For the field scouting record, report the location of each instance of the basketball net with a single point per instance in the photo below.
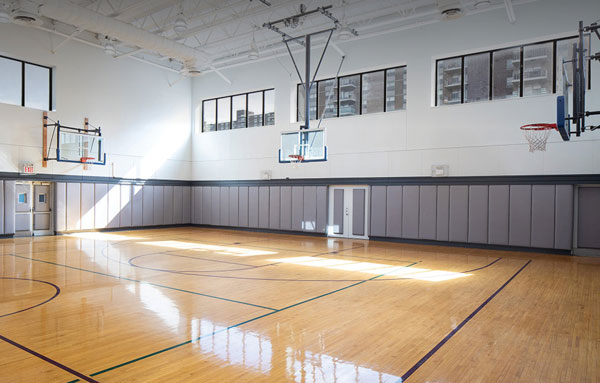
(537, 135)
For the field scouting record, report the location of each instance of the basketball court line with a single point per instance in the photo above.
(49, 360)
(431, 352)
(139, 281)
(232, 326)
(56, 293)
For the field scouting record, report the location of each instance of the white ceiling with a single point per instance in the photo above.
(224, 29)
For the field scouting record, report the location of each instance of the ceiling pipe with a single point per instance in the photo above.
(84, 18)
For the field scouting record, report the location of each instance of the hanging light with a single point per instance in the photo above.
(254, 54)
(345, 33)
(180, 25)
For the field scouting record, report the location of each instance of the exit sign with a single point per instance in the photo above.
(28, 169)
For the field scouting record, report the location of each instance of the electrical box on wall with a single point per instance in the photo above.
(266, 174)
(440, 170)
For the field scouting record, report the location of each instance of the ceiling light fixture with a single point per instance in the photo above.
(180, 24)
(254, 53)
(345, 33)
(482, 4)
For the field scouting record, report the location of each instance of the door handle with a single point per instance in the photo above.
(347, 211)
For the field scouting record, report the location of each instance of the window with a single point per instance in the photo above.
(22, 198)
(371, 92)
(239, 111)
(224, 113)
(37, 80)
(42, 198)
(327, 98)
(395, 89)
(349, 95)
(526, 70)
(476, 86)
(209, 115)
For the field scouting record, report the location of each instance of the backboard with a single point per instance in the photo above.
(78, 147)
(310, 144)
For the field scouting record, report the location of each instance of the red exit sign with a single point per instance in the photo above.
(28, 169)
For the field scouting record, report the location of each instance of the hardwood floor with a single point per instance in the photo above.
(207, 305)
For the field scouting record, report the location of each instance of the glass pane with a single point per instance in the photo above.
(327, 98)
(289, 145)
(313, 103)
(349, 95)
(314, 145)
(239, 111)
(564, 51)
(224, 113)
(537, 69)
(10, 81)
(255, 109)
(506, 73)
(449, 80)
(37, 87)
(269, 107)
(477, 77)
(209, 110)
(395, 89)
(372, 92)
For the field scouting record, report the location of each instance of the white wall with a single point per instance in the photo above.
(473, 139)
(146, 123)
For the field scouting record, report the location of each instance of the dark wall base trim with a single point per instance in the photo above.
(113, 229)
(483, 246)
(2, 236)
(257, 230)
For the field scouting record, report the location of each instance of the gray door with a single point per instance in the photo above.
(42, 212)
(588, 218)
(23, 208)
(348, 211)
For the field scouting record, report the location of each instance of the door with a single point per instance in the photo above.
(587, 221)
(23, 209)
(42, 209)
(348, 212)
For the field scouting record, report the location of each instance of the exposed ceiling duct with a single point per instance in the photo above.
(84, 18)
(24, 12)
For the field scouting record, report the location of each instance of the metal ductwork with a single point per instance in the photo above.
(80, 17)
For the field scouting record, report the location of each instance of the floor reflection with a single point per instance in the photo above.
(226, 250)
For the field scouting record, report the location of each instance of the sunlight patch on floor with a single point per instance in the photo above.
(98, 236)
(223, 250)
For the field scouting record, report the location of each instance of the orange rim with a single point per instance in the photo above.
(539, 126)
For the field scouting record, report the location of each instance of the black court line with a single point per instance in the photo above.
(427, 356)
(483, 267)
(56, 292)
(51, 361)
(230, 327)
(139, 281)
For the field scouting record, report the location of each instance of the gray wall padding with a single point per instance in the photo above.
(73, 206)
(310, 208)
(177, 205)
(378, 211)
(520, 216)
(253, 206)
(542, 215)
(159, 205)
(197, 203)
(563, 220)
(478, 213)
(215, 215)
(147, 205)
(263, 207)
(206, 205)
(427, 212)
(243, 206)
(498, 213)
(459, 213)
(297, 208)
(9, 207)
(126, 205)
(338, 211)
(114, 205)
(588, 219)
(234, 200)
(274, 207)
(60, 209)
(168, 192)
(442, 226)
(393, 213)
(187, 204)
(224, 201)
(322, 211)
(285, 222)
(136, 208)
(100, 209)
(410, 212)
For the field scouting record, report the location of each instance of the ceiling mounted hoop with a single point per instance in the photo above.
(537, 135)
(296, 160)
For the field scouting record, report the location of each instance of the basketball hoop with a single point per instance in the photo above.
(537, 135)
(296, 159)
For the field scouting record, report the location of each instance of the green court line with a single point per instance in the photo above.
(232, 326)
(149, 283)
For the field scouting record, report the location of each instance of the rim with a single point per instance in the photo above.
(538, 126)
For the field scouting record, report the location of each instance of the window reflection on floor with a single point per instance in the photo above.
(227, 250)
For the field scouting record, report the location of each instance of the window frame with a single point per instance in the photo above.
(230, 97)
(359, 110)
(50, 81)
(521, 56)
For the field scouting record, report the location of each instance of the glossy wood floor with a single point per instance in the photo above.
(201, 305)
